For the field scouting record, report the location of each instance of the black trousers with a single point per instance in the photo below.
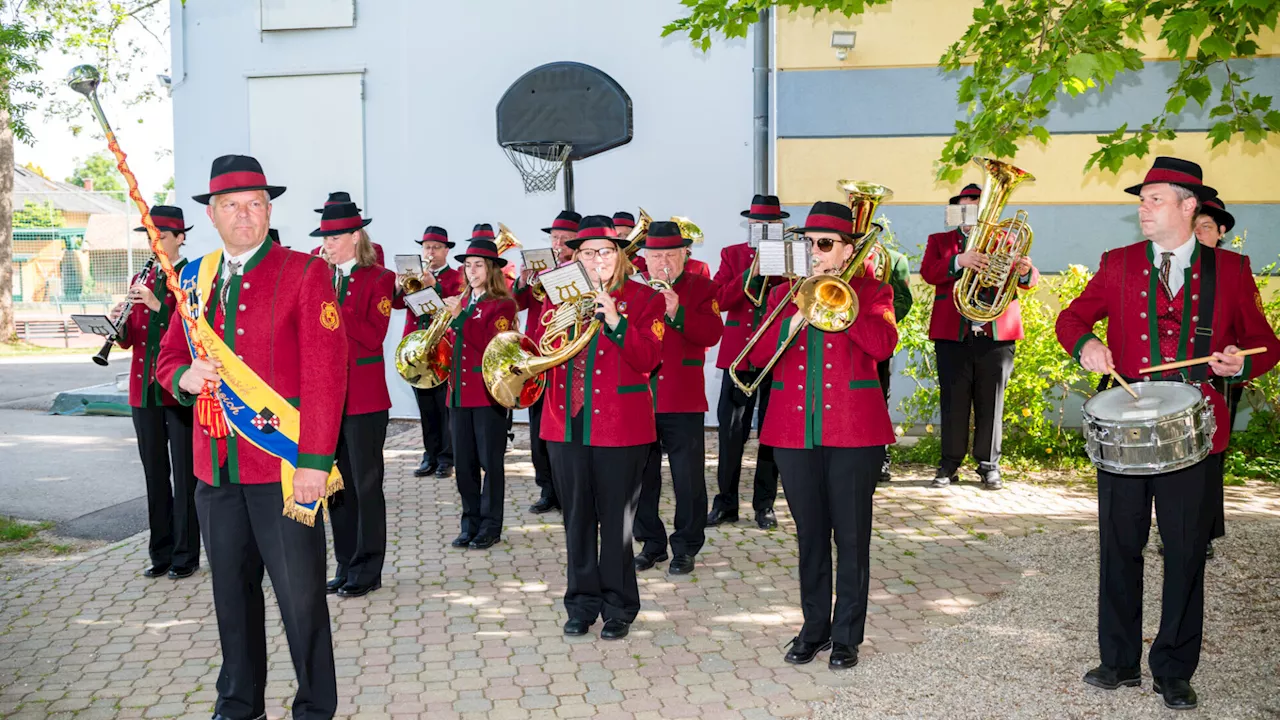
(972, 376)
(538, 451)
(681, 436)
(885, 372)
(245, 532)
(479, 443)
(733, 413)
(164, 445)
(1124, 522)
(359, 512)
(599, 488)
(1219, 500)
(437, 434)
(829, 492)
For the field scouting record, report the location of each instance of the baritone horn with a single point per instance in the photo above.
(826, 302)
(984, 295)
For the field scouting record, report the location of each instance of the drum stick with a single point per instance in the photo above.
(1123, 384)
(1196, 361)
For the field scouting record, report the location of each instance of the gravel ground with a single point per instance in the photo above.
(1023, 655)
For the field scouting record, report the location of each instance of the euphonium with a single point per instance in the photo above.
(514, 368)
(637, 234)
(425, 357)
(688, 228)
(983, 296)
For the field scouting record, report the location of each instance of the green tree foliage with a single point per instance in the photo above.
(160, 195)
(36, 215)
(101, 169)
(1020, 57)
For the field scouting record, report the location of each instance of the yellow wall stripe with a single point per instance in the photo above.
(809, 168)
(910, 33)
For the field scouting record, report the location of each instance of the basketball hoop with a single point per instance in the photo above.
(538, 162)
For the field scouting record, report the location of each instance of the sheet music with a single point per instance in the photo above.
(566, 283)
(408, 264)
(424, 302)
(758, 232)
(784, 258)
(538, 260)
(94, 324)
(962, 215)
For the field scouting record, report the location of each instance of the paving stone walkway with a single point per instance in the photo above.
(477, 634)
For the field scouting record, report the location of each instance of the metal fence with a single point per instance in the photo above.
(73, 251)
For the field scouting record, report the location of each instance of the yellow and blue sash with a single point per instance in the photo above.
(254, 410)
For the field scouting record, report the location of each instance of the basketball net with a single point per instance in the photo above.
(538, 162)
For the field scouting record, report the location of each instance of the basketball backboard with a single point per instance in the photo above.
(566, 102)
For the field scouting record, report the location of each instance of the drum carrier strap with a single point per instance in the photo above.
(1204, 326)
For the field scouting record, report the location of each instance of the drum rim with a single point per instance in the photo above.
(1200, 402)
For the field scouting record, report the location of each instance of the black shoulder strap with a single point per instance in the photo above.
(1204, 326)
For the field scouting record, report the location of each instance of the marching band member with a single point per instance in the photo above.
(598, 422)
(693, 325)
(338, 198)
(829, 454)
(900, 281)
(484, 309)
(1152, 292)
(1212, 224)
(624, 222)
(735, 408)
(276, 310)
(364, 289)
(433, 405)
(974, 359)
(163, 427)
(563, 229)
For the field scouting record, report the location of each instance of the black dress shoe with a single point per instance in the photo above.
(991, 480)
(648, 558)
(544, 504)
(155, 571)
(425, 468)
(462, 540)
(444, 471)
(766, 519)
(720, 515)
(335, 584)
(885, 475)
(842, 657)
(1208, 551)
(942, 479)
(680, 565)
(483, 542)
(615, 629)
(803, 653)
(219, 716)
(1109, 678)
(1178, 693)
(575, 627)
(180, 573)
(350, 590)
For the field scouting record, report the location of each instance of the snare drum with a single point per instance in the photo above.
(1167, 428)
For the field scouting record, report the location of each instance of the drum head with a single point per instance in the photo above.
(1155, 399)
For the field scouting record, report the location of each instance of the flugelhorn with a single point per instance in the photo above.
(659, 284)
(984, 295)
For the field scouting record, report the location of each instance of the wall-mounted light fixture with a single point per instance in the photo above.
(842, 41)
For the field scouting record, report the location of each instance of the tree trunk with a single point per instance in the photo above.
(8, 331)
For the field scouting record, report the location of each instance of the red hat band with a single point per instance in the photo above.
(829, 222)
(1164, 175)
(564, 224)
(166, 223)
(239, 179)
(482, 235)
(435, 237)
(765, 209)
(346, 223)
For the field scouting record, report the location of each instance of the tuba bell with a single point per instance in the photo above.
(637, 234)
(984, 295)
(506, 240)
(688, 229)
(863, 199)
(425, 357)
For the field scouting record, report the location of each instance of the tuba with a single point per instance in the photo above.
(688, 228)
(514, 368)
(826, 302)
(637, 234)
(984, 295)
(424, 357)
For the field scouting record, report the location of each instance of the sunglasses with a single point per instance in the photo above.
(824, 244)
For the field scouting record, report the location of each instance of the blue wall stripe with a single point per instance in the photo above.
(897, 102)
(1074, 234)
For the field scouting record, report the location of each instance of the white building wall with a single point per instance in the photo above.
(433, 72)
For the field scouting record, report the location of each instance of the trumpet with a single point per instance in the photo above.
(983, 296)
(827, 302)
(413, 283)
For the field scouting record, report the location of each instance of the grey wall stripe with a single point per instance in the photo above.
(1074, 234)
(896, 102)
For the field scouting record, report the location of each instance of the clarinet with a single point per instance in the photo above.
(101, 357)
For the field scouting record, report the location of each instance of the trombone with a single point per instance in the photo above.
(827, 302)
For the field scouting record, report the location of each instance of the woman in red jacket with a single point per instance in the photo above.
(484, 309)
(597, 418)
(829, 424)
(364, 290)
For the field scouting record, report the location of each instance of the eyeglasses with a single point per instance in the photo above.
(824, 244)
(603, 254)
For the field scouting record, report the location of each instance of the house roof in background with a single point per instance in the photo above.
(114, 232)
(66, 197)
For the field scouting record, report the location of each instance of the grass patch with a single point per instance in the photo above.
(23, 347)
(11, 529)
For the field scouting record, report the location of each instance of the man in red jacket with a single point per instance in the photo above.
(276, 309)
(974, 359)
(735, 408)
(163, 427)
(1166, 298)
(433, 406)
(693, 325)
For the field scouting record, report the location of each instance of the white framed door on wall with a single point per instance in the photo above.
(308, 132)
